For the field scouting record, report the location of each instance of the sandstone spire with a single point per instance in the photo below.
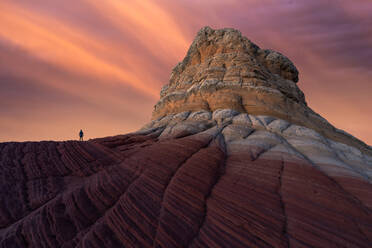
(225, 70)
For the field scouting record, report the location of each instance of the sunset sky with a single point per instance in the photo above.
(99, 65)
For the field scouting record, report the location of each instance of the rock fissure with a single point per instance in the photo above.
(220, 173)
(282, 203)
(170, 183)
(24, 174)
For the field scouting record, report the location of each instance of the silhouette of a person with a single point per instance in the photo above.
(81, 135)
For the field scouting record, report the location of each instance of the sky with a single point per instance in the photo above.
(99, 65)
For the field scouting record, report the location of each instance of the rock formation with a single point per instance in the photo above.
(233, 157)
(224, 70)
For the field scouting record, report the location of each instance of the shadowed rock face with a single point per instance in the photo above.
(194, 178)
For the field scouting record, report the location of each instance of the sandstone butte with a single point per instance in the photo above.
(233, 157)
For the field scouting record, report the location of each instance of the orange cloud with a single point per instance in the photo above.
(62, 45)
(150, 24)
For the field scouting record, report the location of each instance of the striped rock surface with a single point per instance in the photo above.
(233, 157)
(200, 179)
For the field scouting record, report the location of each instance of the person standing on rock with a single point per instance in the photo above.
(81, 135)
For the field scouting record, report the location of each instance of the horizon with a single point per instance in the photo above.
(66, 67)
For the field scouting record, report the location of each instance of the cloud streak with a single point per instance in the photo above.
(64, 46)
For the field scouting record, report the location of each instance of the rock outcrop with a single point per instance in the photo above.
(232, 158)
(224, 70)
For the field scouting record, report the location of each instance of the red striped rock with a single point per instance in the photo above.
(200, 190)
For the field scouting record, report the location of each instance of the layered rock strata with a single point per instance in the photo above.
(194, 176)
(191, 180)
(223, 69)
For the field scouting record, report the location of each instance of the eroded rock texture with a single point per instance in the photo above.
(205, 172)
(225, 180)
(224, 70)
